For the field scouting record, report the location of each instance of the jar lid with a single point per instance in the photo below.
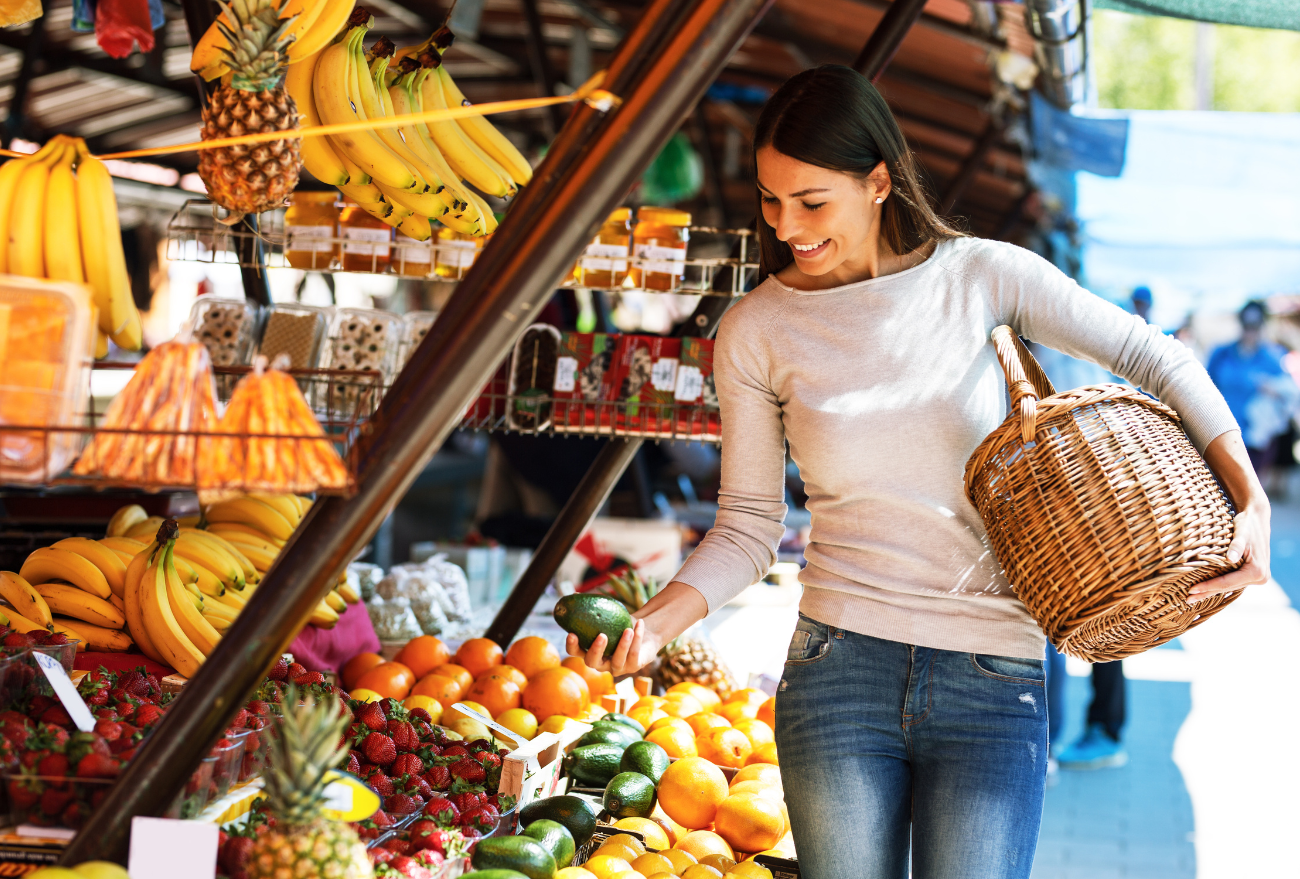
(620, 215)
(327, 198)
(666, 216)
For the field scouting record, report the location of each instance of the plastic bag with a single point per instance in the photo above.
(393, 619)
(364, 577)
(120, 24)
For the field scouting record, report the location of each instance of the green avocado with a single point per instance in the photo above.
(615, 717)
(646, 758)
(494, 874)
(555, 837)
(630, 795)
(610, 733)
(574, 813)
(522, 854)
(587, 616)
(594, 765)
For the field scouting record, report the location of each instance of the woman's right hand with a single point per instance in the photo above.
(673, 610)
(636, 649)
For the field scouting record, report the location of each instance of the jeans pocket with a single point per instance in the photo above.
(1013, 669)
(811, 642)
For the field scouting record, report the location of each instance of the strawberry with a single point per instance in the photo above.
(442, 810)
(56, 715)
(233, 856)
(306, 679)
(406, 764)
(53, 765)
(482, 818)
(464, 801)
(404, 735)
(467, 770)
(439, 777)
(401, 804)
(423, 787)
(488, 759)
(420, 833)
(258, 707)
(455, 749)
(380, 750)
(295, 669)
(382, 784)
(75, 815)
(147, 715)
(109, 729)
(353, 765)
(381, 819)
(18, 641)
(279, 671)
(97, 766)
(429, 857)
(479, 745)
(420, 714)
(53, 802)
(371, 715)
(23, 792)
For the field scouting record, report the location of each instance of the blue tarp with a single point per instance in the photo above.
(1078, 143)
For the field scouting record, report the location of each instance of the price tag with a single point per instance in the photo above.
(348, 798)
(663, 375)
(66, 691)
(566, 374)
(162, 848)
(690, 384)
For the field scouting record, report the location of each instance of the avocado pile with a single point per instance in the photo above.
(612, 755)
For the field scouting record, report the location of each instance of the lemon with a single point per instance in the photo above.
(520, 720)
(452, 713)
(574, 873)
(429, 704)
(654, 835)
(606, 866)
(361, 694)
(625, 839)
(558, 723)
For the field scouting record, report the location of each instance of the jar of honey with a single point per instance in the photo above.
(311, 225)
(412, 258)
(456, 252)
(659, 245)
(365, 245)
(603, 265)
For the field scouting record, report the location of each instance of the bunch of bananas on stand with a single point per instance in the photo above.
(58, 220)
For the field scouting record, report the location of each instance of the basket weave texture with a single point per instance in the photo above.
(1100, 510)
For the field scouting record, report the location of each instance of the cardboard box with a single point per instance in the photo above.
(584, 390)
(695, 393)
(647, 380)
(532, 771)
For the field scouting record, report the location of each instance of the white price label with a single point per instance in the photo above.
(162, 848)
(366, 242)
(460, 254)
(338, 796)
(66, 691)
(605, 258)
(690, 384)
(308, 239)
(566, 374)
(669, 260)
(663, 375)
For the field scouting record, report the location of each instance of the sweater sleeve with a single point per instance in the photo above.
(1045, 305)
(741, 546)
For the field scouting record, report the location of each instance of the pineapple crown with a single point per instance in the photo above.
(257, 41)
(306, 745)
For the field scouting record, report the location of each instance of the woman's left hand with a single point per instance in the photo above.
(1250, 545)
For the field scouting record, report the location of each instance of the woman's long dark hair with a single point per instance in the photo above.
(833, 117)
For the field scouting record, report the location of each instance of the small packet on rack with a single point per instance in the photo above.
(694, 392)
(647, 381)
(532, 375)
(585, 387)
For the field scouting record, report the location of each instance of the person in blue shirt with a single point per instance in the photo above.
(1259, 391)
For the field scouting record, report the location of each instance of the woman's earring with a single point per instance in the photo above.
(879, 200)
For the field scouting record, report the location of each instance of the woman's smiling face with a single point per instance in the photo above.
(829, 218)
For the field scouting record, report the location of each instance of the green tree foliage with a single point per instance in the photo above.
(1148, 63)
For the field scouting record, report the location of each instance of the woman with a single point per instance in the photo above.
(910, 715)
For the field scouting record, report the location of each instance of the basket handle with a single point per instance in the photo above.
(1025, 378)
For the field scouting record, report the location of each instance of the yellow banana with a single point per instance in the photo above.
(185, 570)
(47, 564)
(370, 197)
(101, 340)
(481, 130)
(377, 104)
(134, 605)
(357, 177)
(317, 154)
(304, 503)
(251, 511)
(73, 602)
(233, 599)
(123, 544)
(62, 239)
(23, 598)
(131, 336)
(333, 16)
(284, 504)
(219, 610)
(73, 634)
(241, 540)
(201, 553)
(188, 521)
(417, 227)
(190, 617)
(146, 530)
(119, 603)
(20, 623)
(27, 215)
(262, 559)
(108, 562)
(466, 160)
(249, 534)
(364, 148)
(336, 602)
(324, 616)
(168, 637)
(101, 247)
(221, 624)
(405, 98)
(218, 542)
(97, 638)
(489, 218)
(9, 176)
(349, 594)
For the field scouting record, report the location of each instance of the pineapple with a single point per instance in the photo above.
(306, 745)
(251, 98)
(693, 658)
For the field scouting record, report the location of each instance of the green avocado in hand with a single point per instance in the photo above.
(589, 615)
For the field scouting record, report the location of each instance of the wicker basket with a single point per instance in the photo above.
(1100, 510)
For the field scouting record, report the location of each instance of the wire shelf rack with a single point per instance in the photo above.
(195, 234)
(159, 460)
(549, 415)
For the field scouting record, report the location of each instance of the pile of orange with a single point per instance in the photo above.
(692, 721)
(520, 688)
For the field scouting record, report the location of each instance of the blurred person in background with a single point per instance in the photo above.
(1259, 391)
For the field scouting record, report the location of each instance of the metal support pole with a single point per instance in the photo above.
(586, 500)
(543, 74)
(972, 164)
(660, 71)
(887, 37)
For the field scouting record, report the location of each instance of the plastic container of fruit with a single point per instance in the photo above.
(53, 801)
(415, 326)
(16, 675)
(256, 745)
(34, 681)
(225, 770)
(195, 797)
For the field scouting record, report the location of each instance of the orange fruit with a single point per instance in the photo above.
(706, 722)
(756, 731)
(681, 860)
(718, 862)
(672, 722)
(509, 672)
(681, 706)
(557, 690)
(702, 843)
(690, 793)
(651, 863)
(390, 679)
(479, 655)
(628, 840)
(532, 656)
(517, 720)
(756, 787)
(423, 654)
(763, 754)
(445, 690)
(706, 697)
(647, 715)
(651, 701)
(737, 711)
(675, 740)
(750, 870)
(750, 822)
(767, 712)
(764, 772)
(726, 747)
(605, 866)
(498, 695)
(457, 673)
(749, 695)
(674, 830)
(701, 871)
(599, 682)
(655, 836)
(356, 667)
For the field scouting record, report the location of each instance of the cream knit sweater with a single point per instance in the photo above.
(883, 389)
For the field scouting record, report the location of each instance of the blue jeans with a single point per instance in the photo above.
(882, 741)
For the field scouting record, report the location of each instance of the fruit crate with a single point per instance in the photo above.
(194, 234)
(546, 415)
(347, 397)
